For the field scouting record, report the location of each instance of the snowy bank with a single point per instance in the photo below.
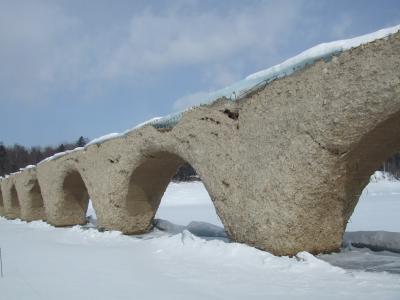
(42, 262)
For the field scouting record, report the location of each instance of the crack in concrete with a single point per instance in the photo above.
(333, 151)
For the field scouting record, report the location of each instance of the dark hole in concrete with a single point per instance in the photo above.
(36, 194)
(234, 115)
(75, 193)
(1, 200)
(14, 198)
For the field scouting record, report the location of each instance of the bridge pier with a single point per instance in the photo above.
(11, 202)
(309, 143)
(140, 166)
(64, 190)
(29, 195)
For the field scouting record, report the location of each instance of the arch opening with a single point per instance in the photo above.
(166, 192)
(368, 206)
(14, 198)
(36, 195)
(376, 146)
(378, 204)
(373, 225)
(1, 203)
(76, 198)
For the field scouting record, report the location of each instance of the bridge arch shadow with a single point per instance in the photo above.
(76, 197)
(15, 207)
(147, 185)
(35, 195)
(1, 204)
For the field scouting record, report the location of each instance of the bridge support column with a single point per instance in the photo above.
(64, 190)
(29, 193)
(10, 198)
(122, 205)
(290, 206)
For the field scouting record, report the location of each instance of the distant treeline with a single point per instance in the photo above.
(392, 166)
(12, 158)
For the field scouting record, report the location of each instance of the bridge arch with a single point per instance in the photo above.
(2, 212)
(33, 208)
(15, 207)
(148, 183)
(375, 146)
(75, 197)
(36, 195)
(65, 193)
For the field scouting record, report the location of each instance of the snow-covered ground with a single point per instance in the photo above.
(379, 206)
(43, 262)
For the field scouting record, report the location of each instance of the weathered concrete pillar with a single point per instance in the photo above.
(308, 144)
(29, 194)
(69, 181)
(10, 198)
(140, 166)
(64, 191)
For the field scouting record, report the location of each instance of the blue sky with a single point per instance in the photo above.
(72, 68)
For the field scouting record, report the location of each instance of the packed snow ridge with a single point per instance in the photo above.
(383, 176)
(254, 81)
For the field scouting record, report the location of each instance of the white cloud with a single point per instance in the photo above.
(49, 46)
(218, 76)
(178, 37)
(223, 75)
(221, 42)
(189, 100)
(340, 29)
(31, 37)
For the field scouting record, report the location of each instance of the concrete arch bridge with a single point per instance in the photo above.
(284, 164)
